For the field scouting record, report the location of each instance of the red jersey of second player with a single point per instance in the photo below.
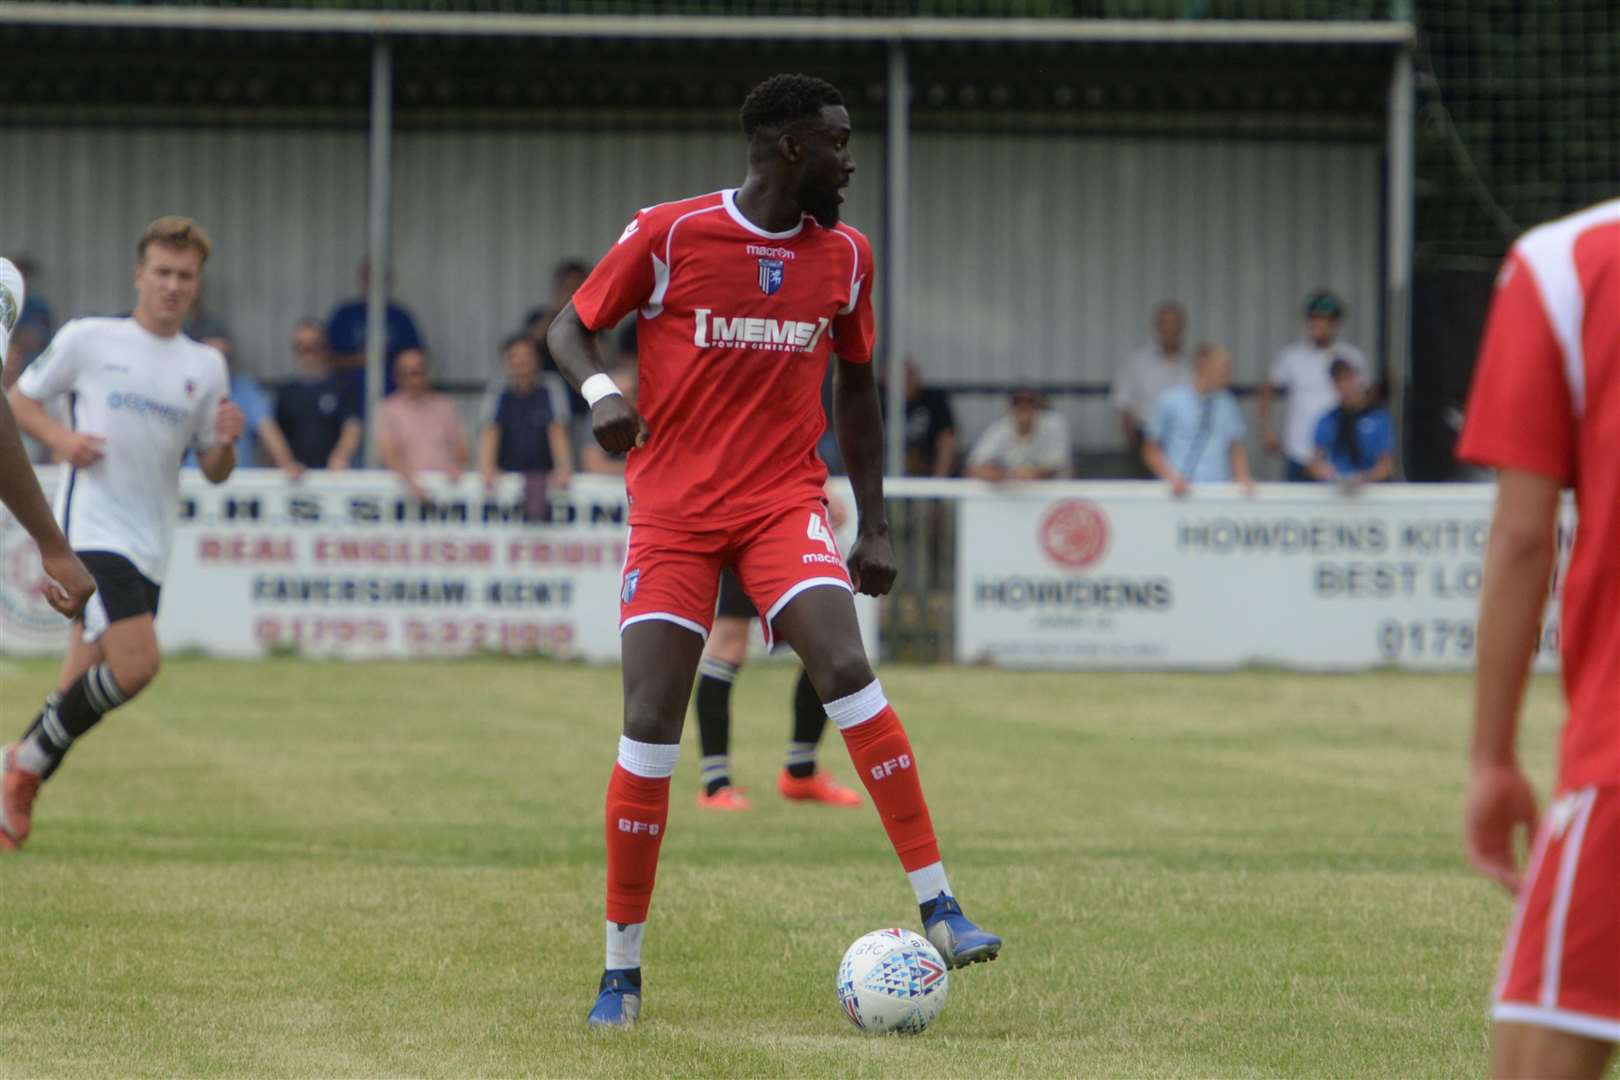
(736, 326)
(1546, 399)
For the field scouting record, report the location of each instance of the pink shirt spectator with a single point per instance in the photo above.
(424, 430)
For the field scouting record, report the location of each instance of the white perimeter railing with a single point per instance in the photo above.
(1062, 574)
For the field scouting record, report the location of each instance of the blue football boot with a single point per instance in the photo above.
(618, 1003)
(957, 939)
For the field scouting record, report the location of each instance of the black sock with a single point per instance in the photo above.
(809, 721)
(81, 706)
(712, 702)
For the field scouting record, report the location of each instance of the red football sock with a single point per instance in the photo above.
(882, 756)
(637, 809)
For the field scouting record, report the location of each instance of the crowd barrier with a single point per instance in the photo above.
(1057, 575)
(347, 565)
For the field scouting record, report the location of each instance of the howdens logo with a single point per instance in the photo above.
(777, 335)
(169, 414)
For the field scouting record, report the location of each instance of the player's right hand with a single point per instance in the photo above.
(80, 449)
(1272, 442)
(68, 585)
(618, 425)
(1500, 799)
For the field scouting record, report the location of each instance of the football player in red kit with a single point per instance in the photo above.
(742, 297)
(1545, 411)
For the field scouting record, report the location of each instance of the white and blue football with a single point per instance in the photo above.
(892, 982)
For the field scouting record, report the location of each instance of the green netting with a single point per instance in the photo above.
(1519, 120)
(1117, 9)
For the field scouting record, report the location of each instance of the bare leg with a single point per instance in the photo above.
(660, 661)
(1529, 1052)
(821, 626)
(80, 658)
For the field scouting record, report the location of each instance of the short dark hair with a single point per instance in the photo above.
(518, 339)
(570, 266)
(1340, 366)
(782, 99)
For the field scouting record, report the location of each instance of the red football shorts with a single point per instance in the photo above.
(1561, 966)
(674, 574)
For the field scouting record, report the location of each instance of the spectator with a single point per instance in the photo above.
(317, 413)
(1195, 435)
(417, 427)
(527, 432)
(1355, 443)
(567, 276)
(259, 421)
(1150, 371)
(1029, 443)
(593, 459)
(346, 335)
(930, 428)
(1301, 370)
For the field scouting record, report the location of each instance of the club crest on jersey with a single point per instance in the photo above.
(770, 275)
(631, 580)
(191, 387)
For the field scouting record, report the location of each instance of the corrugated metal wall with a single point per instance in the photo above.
(286, 210)
(1032, 257)
(1042, 258)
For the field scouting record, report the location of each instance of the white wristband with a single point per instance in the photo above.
(597, 387)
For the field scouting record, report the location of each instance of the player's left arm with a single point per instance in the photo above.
(223, 422)
(858, 422)
(858, 425)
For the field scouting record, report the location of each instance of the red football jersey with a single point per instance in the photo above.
(1546, 399)
(735, 329)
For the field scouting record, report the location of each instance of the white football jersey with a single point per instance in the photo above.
(1302, 369)
(151, 399)
(11, 303)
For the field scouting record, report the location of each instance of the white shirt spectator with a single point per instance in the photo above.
(1146, 374)
(1301, 369)
(1047, 446)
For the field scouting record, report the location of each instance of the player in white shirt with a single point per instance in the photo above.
(68, 584)
(139, 394)
(1301, 370)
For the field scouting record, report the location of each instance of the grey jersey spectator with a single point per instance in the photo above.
(527, 433)
(1030, 443)
(1151, 370)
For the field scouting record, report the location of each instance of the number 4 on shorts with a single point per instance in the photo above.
(818, 531)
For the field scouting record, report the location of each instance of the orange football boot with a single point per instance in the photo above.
(818, 787)
(727, 798)
(18, 790)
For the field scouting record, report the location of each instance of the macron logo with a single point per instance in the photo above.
(770, 335)
(636, 827)
(885, 769)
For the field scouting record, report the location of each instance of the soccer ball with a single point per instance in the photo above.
(892, 982)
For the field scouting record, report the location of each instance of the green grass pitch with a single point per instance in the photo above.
(306, 869)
